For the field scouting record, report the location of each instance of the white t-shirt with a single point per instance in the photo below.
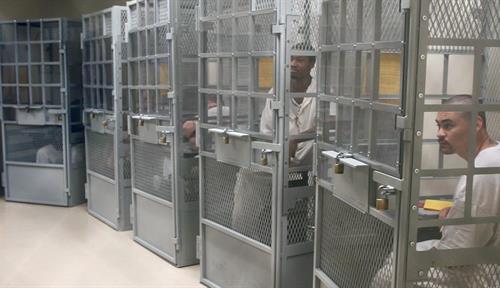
(485, 203)
(302, 117)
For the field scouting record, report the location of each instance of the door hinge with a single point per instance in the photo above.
(176, 243)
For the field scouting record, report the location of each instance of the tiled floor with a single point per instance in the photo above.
(46, 246)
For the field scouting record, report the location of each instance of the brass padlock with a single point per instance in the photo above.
(141, 122)
(263, 159)
(105, 123)
(225, 138)
(163, 139)
(339, 167)
(382, 204)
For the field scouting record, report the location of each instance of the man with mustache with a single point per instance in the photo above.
(453, 134)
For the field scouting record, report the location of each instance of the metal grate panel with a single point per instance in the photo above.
(123, 27)
(264, 39)
(101, 154)
(354, 247)
(163, 11)
(242, 34)
(239, 199)
(35, 144)
(192, 184)
(153, 169)
(305, 28)
(209, 7)
(491, 89)
(392, 21)
(218, 182)
(299, 219)
(483, 275)
(459, 19)
(264, 4)
(252, 205)
(126, 168)
(226, 35)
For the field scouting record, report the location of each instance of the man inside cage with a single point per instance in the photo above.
(302, 120)
(453, 130)
(302, 116)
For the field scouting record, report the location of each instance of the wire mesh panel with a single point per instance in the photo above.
(101, 154)
(162, 93)
(103, 39)
(352, 253)
(40, 92)
(361, 100)
(152, 169)
(466, 33)
(252, 196)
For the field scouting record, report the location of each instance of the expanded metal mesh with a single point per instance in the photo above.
(153, 169)
(35, 144)
(264, 4)
(483, 275)
(459, 19)
(126, 168)
(189, 38)
(219, 181)
(304, 29)
(101, 156)
(264, 40)
(354, 247)
(490, 93)
(239, 199)
(192, 184)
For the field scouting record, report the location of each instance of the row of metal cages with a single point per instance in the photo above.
(296, 137)
(387, 72)
(41, 103)
(140, 85)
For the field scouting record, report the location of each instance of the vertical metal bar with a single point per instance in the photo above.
(375, 77)
(446, 66)
(280, 174)
(414, 83)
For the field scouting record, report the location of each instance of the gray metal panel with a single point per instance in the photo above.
(103, 200)
(42, 88)
(233, 263)
(162, 93)
(358, 106)
(45, 185)
(154, 225)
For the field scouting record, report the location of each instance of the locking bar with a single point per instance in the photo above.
(344, 158)
(228, 132)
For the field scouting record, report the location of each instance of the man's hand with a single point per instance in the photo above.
(189, 132)
(443, 213)
(189, 128)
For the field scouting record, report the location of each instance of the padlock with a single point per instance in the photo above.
(141, 122)
(105, 123)
(163, 139)
(382, 204)
(225, 138)
(339, 167)
(92, 115)
(263, 159)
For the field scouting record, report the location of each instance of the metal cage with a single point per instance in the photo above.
(104, 41)
(41, 103)
(387, 67)
(257, 204)
(162, 93)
